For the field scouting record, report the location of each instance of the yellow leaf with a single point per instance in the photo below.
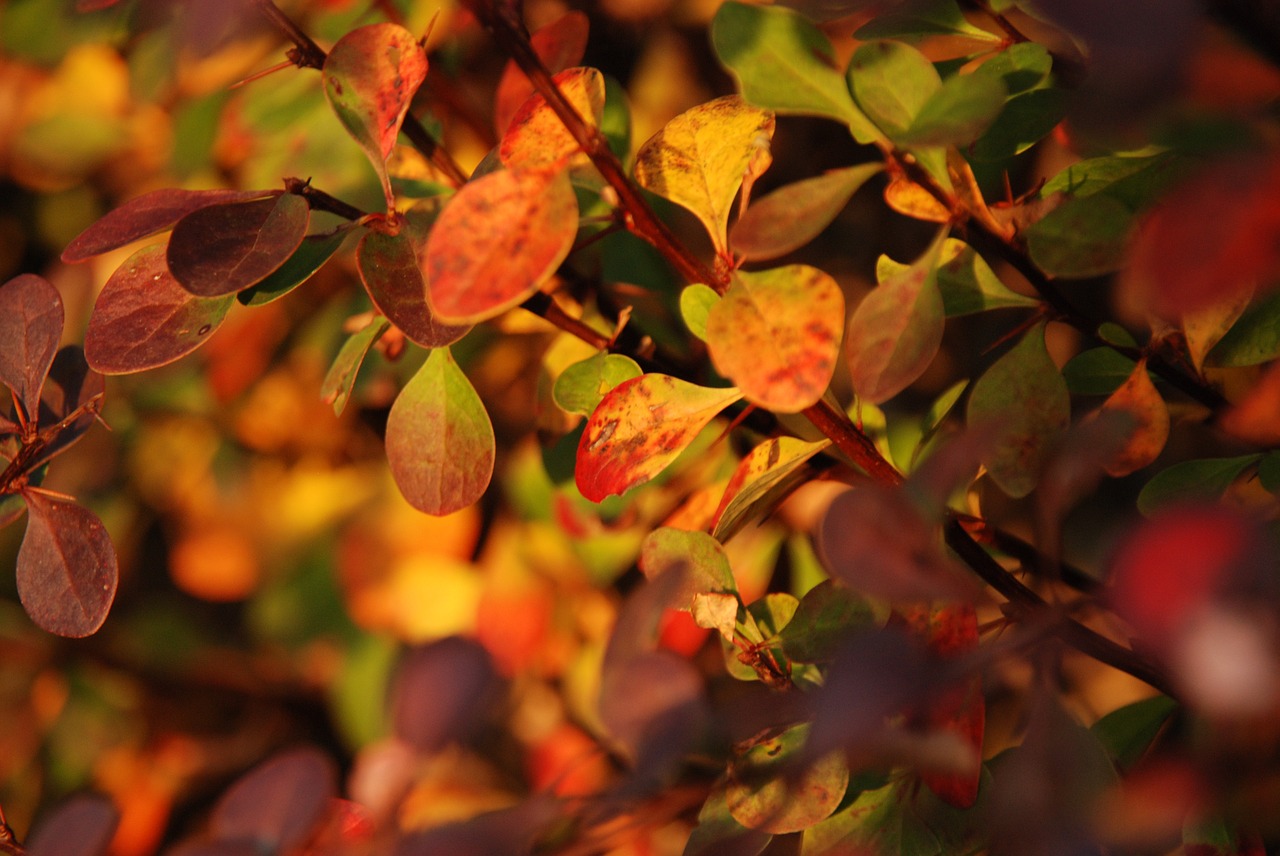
(700, 158)
(1204, 327)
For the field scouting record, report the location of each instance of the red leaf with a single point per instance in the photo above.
(66, 567)
(225, 248)
(70, 386)
(143, 318)
(537, 138)
(559, 45)
(30, 327)
(389, 269)
(147, 214)
(278, 803)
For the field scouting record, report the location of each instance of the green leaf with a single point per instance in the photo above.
(1127, 732)
(765, 474)
(717, 831)
(921, 18)
(695, 306)
(336, 388)
(957, 113)
(891, 82)
(794, 215)
(581, 386)
(968, 284)
(1026, 120)
(310, 256)
(765, 793)
(1269, 472)
(1023, 401)
(825, 616)
(697, 555)
(776, 335)
(1253, 339)
(1188, 481)
(1090, 176)
(784, 63)
(879, 821)
(1022, 66)
(440, 444)
(224, 248)
(1097, 371)
(1082, 237)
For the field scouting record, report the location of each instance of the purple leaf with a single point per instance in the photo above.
(30, 327)
(441, 692)
(82, 826)
(506, 832)
(389, 268)
(66, 567)
(225, 248)
(278, 803)
(70, 387)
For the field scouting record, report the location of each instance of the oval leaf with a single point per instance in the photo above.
(892, 81)
(143, 318)
(698, 558)
(1200, 480)
(147, 214)
(1082, 237)
(389, 269)
(581, 386)
(768, 793)
(1023, 401)
(695, 307)
(82, 826)
(441, 691)
(776, 335)
(370, 77)
(30, 327)
(794, 215)
(66, 567)
(767, 467)
(537, 137)
(1138, 398)
(497, 241)
(639, 428)
(698, 160)
(225, 248)
(968, 284)
(559, 45)
(440, 444)
(277, 804)
(958, 113)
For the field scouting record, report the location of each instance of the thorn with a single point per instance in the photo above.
(258, 75)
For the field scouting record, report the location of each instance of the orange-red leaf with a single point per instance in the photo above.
(536, 137)
(1138, 398)
(639, 428)
(776, 334)
(497, 241)
(559, 45)
(389, 268)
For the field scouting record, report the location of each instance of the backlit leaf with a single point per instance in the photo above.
(1138, 398)
(336, 388)
(144, 319)
(279, 803)
(965, 280)
(794, 215)
(827, 613)
(639, 428)
(147, 214)
(1082, 237)
(1253, 339)
(907, 197)
(892, 81)
(30, 328)
(695, 307)
(310, 256)
(389, 268)
(497, 241)
(958, 113)
(1203, 479)
(896, 330)
(920, 18)
(536, 138)
(560, 44)
(766, 793)
(784, 63)
(66, 567)
(224, 248)
(699, 158)
(440, 444)
(766, 468)
(82, 826)
(776, 335)
(370, 76)
(698, 558)
(1023, 402)
(441, 691)
(581, 386)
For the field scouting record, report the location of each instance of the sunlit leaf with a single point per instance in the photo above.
(581, 386)
(497, 241)
(826, 614)
(921, 18)
(892, 81)
(695, 307)
(696, 556)
(224, 248)
(370, 77)
(1082, 237)
(147, 214)
(795, 214)
(699, 158)
(776, 335)
(310, 256)
(767, 469)
(784, 63)
(30, 328)
(82, 826)
(336, 388)
(441, 691)
(559, 44)
(1253, 339)
(279, 803)
(764, 793)
(957, 113)
(144, 319)
(389, 268)
(1202, 479)
(639, 428)
(907, 197)
(440, 444)
(896, 330)
(66, 567)
(1023, 402)
(716, 611)
(1138, 398)
(536, 138)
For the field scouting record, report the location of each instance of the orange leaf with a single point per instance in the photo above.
(559, 45)
(1139, 398)
(537, 138)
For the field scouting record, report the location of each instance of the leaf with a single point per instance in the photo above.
(919, 18)
(81, 826)
(1189, 481)
(581, 386)
(224, 248)
(782, 62)
(695, 307)
(718, 834)
(958, 113)
(144, 319)
(769, 469)
(827, 614)
(279, 803)
(1253, 339)
(1023, 401)
(536, 137)
(655, 706)
(965, 280)
(639, 428)
(896, 330)
(696, 556)
(441, 692)
(559, 44)
(699, 158)
(310, 256)
(146, 215)
(776, 335)
(907, 197)
(370, 76)
(70, 386)
(1093, 175)
(768, 793)
(891, 82)
(336, 388)
(30, 328)
(1026, 120)
(1097, 371)
(440, 444)
(389, 269)
(497, 241)
(66, 567)
(1127, 732)
(1149, 430)
(1082, 237)
(1022, 66)
(716, 611)
(879, 821)
(794, 215)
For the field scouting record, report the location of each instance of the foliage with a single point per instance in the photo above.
(880, 457)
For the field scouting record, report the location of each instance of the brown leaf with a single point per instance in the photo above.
(66, 567)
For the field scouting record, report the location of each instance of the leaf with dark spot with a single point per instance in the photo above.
(30, 327)
(771, 790)
(278, 804)
(226, 248)
(66, 567)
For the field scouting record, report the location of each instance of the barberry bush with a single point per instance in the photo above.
(659, 428)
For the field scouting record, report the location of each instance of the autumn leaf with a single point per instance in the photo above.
(559, 45)
(30, 328)
(1138, 398)
(391, 273)
(224, 248)
(337, 385)
(765, 793)
(794, 215)
(699, 159)
(581, 386)
(698, 558)
(370, 76)
(277, 804)
(639, 428)
(440, 444)
(66, 567)
(310, 256)
(776, 335)
(765, 469)
(1205, 327)
(536, 137)
(497, 241)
